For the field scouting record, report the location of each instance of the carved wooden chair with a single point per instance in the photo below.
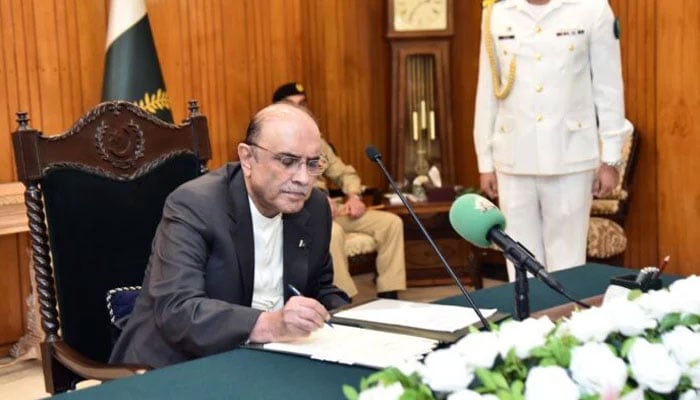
(94, 196)
(360, 248)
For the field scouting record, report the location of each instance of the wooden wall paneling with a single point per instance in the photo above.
(345, 70)
(678, 140)
(91, 21)
(50, 90)
(465, 68)
(11, 306)
(210, 39)
(170, 35)
(63, 34)
(236, 78)
(638, 21)
(379, 86)
(8, 87)
(28, 62)
(11, 28)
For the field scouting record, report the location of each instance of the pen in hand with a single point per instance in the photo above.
(298, 293)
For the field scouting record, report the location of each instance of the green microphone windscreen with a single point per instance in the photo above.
(472, 216)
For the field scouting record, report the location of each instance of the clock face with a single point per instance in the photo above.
(420, 15)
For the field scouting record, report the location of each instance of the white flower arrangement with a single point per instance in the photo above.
(642, 347)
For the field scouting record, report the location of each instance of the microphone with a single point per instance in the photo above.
(481, 223)
(374, 155)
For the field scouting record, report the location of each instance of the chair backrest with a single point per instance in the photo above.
(94, 197)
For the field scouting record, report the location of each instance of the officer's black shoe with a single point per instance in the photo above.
(393, 294)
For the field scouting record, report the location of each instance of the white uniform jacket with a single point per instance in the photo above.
(565, 112)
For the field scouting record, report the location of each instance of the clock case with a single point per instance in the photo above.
(406, 48)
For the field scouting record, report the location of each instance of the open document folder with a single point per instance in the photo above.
(359, 346)
(435, 321)
(436, 317)
(382, 332)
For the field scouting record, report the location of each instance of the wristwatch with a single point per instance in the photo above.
(615, 164)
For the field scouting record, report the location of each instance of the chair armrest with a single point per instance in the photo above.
(90, 369)
(370, 195)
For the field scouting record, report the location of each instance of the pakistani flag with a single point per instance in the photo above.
(132, 71)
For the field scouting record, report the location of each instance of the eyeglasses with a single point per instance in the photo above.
(292, 163)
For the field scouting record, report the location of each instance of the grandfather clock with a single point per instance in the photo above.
(419, 32)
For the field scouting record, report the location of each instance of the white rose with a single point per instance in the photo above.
(658, 303)
(597, 371)
(653, 367)
(467, 394)
(628, 318)
(590, 325)
(693, 373)
(479, 349)
(690, 395)
(523, 336)
(446, 371)
(545, 383)
(381, 392)
(683, 344)
(687, 291)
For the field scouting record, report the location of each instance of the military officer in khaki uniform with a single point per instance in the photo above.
(352, 216)
(549, 120)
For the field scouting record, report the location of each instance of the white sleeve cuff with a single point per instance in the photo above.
(613, 141)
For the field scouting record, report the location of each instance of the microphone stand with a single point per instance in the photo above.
(522, 289)
(377, 158)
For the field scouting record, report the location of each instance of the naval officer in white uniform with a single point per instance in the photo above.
(549, 120)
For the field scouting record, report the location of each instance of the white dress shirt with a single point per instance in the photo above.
(268, 290)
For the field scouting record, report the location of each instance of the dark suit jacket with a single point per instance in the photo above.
(198, 286)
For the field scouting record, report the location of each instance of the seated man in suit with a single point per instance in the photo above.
(229, 246)
(385, 227)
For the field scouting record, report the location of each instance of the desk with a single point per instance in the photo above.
(423, 267)
(257, 374)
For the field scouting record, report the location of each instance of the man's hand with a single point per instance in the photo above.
(489, 184)
(299, 318)
(606, 179)
(354, 207)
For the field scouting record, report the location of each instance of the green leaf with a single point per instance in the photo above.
(626, 346)
(516, 390)
(669, 322)
(548, 362)
(561, 353)
(504, 395)
(409, 395)
(350, 392)
(690, 320)
(486, 378)
(633, 294)
(649, 395)
(540, 352)
(500, 381)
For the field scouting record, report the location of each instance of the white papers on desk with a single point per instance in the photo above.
(435, 317)
(350, 345)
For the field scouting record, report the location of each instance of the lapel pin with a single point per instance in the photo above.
(302, 244)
